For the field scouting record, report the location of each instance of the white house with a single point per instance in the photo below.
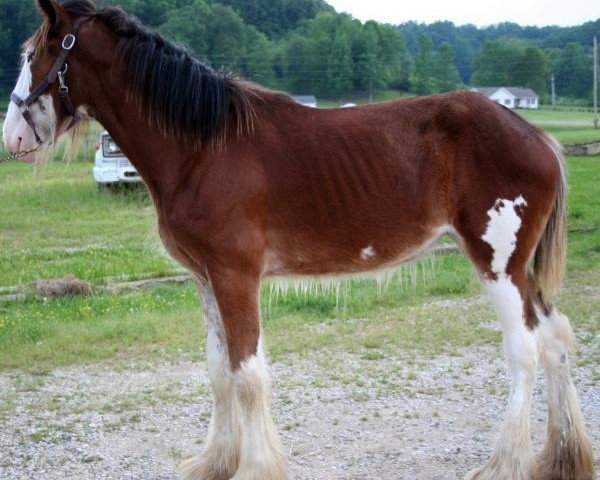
(511, 97)
(306, 100)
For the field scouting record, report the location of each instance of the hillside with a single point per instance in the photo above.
(304, 46)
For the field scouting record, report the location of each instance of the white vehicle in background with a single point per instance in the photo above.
(111, 167)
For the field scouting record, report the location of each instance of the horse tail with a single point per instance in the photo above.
(550, 255)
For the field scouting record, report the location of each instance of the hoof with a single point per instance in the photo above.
(506, 469)
(201, 468)
(570, 461)
(274, 471)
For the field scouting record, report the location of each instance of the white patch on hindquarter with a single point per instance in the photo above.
(367, 252)
(501, 231)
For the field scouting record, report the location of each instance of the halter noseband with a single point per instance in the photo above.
(58, 70)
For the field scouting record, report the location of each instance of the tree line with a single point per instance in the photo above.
(305, 47)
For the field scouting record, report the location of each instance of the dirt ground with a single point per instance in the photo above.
(340, 416)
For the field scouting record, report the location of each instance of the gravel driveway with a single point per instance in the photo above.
(341, 417)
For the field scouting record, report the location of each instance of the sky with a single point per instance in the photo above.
(480, 13)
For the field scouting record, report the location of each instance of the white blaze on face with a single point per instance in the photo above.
(501, 231)
(17, 135)
(14, 125)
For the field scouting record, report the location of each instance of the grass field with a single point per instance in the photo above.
(569, 127)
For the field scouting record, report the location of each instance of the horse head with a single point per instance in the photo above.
(49, 95)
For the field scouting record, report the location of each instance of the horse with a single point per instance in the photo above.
(248, 184)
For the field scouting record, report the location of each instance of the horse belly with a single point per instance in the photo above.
(349, 251)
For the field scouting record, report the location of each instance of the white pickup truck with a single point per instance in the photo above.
(111, 167)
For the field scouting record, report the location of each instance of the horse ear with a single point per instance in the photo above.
(52, 10)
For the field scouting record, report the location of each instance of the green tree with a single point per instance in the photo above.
(498, 63)
(532, 71)
(150, 12)
(187, 25)
(445, 75)
(18, 20)
(394, 58)
(299, 65)
(370, 65)
(275, 18)
(225, 34)
(424, 66)
(339, 67)
(573, 72)
(258, 60)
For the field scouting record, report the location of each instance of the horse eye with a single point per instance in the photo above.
(30, 57)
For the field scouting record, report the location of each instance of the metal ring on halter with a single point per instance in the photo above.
(68, 42)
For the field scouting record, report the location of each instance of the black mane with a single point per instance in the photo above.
(184, 97)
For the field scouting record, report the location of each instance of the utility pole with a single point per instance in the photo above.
(553, 94)
(595, 82)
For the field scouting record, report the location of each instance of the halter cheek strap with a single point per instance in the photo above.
(58, 71)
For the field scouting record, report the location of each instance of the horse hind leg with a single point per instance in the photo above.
(513, 456)
(567, 453)
(502, 261)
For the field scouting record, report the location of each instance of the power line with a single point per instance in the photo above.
(595, 82)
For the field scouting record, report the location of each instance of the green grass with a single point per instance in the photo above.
(584, 213)
(55, 223)
(556, 116)
(48, 213)
(574, 135)
(569, 127)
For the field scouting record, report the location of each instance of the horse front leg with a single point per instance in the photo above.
(242, 442)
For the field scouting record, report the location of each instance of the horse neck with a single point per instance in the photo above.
(157, 158)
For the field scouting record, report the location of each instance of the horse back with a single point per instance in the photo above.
(362, 188)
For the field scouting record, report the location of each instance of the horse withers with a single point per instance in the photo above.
(248, 184)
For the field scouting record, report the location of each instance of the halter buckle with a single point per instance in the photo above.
(62, 85)
(68, 42)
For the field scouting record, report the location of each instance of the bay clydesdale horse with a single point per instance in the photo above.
(248, 184)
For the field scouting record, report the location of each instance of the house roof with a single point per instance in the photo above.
(518, 92)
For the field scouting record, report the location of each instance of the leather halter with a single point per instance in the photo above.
(58, 71)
